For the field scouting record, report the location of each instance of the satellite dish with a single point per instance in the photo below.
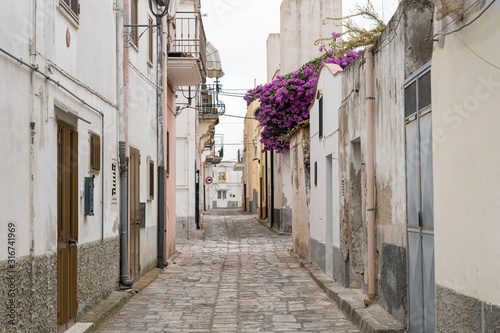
(172, 8)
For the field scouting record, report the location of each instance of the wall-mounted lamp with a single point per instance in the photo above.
(254, 142)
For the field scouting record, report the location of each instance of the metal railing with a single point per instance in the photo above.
(189, 38)
(208, 100)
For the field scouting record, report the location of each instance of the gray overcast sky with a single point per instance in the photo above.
(239, 29)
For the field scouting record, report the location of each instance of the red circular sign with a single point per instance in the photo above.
(209, 180)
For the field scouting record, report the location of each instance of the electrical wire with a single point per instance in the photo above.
(242, 117)
(461, 15)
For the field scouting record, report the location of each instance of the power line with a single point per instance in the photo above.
(243, 117)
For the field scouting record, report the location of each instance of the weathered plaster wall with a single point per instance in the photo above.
(301, 25)
(273, 56)
(400, 51)
(301, 190)
(467, 201)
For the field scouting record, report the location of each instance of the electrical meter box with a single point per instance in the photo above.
(89, 196)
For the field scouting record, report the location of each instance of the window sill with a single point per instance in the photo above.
(66, 12)
(94, 171)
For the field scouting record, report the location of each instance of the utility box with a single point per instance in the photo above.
(89, 196)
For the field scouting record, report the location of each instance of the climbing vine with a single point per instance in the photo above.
(285, 101)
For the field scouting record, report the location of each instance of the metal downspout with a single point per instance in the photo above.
(122, 63)
(161, 145)
(370, 173)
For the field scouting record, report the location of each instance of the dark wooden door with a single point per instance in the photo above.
(135, 214)
(67, 224)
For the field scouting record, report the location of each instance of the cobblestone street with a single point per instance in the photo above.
(242, 278)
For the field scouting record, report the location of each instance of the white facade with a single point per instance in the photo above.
(325, 190)
(225, 191)
(32, 109)
(465, 100)
(301, 25)
(186, 165)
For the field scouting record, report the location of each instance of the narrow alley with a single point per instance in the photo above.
(242, 278)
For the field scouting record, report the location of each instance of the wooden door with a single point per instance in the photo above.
(135, 214)
(67, 224)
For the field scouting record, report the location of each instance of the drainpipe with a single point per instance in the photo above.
(370, 171)
(160, 145)
(272, 188)
(122, 79)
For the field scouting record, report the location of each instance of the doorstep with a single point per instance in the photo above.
(371, 319)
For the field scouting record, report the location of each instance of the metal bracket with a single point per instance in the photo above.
(129, 36)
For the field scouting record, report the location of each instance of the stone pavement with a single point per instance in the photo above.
(242, 278)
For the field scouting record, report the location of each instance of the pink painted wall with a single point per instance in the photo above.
(171, 177)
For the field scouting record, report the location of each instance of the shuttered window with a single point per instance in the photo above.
(134, 19)
(151, 180)
(95, 152)
(72, 7)
(418, 94)
(320, 116)
(151, 41)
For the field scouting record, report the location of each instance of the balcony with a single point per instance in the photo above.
(208, 100)
(217, 150)
(187, 53)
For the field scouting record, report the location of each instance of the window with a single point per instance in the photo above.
(95, 152)
(315, 173)
(320, 117)
(221, 195)
(134, 21)
(72, 7)
(151, 41)
(151, 179)
(168, 154)
(418, 93)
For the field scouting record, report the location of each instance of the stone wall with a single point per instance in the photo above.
(456, 312)
(301, 189)
(98, 272)
(35, 306)
(401, 50)
(183, 226)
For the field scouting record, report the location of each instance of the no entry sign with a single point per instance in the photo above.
(209, 180)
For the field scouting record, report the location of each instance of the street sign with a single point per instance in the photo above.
(209, 180)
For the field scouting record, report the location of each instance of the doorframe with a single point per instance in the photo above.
(415, 117)
(133, 151)
(73, 215)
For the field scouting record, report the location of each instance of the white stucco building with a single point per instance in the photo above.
(58, 128)
(464, 141)
(225, 190)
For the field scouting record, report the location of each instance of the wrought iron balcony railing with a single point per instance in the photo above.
(208, 100)
(189, 38)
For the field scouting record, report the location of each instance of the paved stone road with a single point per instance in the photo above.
(241, 279)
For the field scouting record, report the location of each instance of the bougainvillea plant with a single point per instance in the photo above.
(285, 102)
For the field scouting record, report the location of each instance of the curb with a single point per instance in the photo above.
(93, 319)
(279, 233)
(371, 319)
